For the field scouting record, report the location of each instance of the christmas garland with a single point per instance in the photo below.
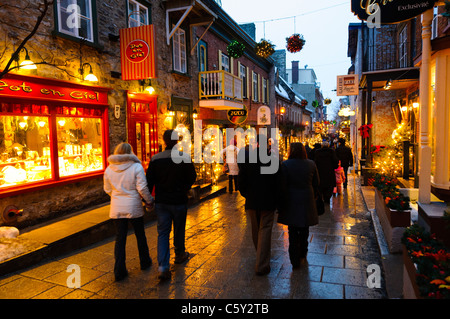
(235, 49)
(264, 49)
(295, 43)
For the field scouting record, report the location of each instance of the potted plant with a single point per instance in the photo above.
(427, 262)
(391, 202)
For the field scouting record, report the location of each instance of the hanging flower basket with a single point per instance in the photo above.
(295, 43)
(327, 101)
(315, 103)
(264, 49)
(235, 49)
(304, 103)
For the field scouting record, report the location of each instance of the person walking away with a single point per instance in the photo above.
(326, 162)
(345, 155)
(125, 182)
(262, 194)
(299, 212)
(312, 153)
(171, 174)
(231, 154)
(340, 178)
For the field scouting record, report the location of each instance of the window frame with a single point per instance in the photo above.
(139, 5)
(243, 77)
(255, 87)
(225, 62)
(176, 44)
(92, 4)
(403, 47)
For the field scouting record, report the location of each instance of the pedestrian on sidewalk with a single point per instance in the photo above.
(172, 174)
(230, 162)
(298, 211)
(125, 182)
(326, 162)
(345, 155)
(340, 179)
(262, 195)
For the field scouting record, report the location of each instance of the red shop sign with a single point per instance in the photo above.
(48, 89)
(138, 53)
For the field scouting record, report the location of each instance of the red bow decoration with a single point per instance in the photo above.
(377, 148)
(364, 130)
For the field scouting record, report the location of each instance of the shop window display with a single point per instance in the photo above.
(24, 150)
(31, 151)
(79, 145)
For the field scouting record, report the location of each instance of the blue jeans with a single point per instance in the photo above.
(166, 214)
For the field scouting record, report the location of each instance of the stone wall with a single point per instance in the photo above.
(65, 55)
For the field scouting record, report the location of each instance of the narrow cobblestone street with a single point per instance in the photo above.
(222, 259)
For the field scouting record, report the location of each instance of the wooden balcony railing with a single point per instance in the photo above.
(220, 85)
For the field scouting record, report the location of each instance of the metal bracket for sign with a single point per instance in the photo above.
(169, 34)
(194, 22)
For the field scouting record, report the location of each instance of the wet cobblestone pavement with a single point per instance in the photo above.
(221, 265)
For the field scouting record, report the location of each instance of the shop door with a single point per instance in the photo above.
(142, 126)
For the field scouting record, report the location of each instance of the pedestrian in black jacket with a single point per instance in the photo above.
(345, 155)
(262, 196)
(172, 174)
(301, 186)
(326, 162)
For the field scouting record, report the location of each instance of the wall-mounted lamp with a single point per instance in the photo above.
(91, 76)
(26, 64)
(282, 110)
(170, 112)
(147, 86)
(388, 85)
(194, 114)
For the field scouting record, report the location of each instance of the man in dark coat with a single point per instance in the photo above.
(326, 162)
(345, 155)
(262, 195)
(172, 174)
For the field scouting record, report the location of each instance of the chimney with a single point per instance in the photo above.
(295, 72)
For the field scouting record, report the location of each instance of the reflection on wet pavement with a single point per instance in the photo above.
(222, 260)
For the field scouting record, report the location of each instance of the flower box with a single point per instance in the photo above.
(392, 222)
(396, 218)
(410, 288)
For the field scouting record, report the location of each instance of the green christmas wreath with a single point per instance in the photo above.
(235, 49)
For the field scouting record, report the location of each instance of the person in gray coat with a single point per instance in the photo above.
(299, 212)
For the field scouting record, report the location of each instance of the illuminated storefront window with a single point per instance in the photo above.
(24, 147)
(30, 146)
(79, 145)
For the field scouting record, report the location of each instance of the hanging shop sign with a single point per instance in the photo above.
(263, 115)
(137, 53)
(237, 117)
(40, 88)
(390, 11)
(347, 85)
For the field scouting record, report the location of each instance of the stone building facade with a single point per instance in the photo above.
(62, 182)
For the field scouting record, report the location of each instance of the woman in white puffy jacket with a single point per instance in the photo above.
(125, 182)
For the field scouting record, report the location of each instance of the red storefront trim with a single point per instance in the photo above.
(32, 89)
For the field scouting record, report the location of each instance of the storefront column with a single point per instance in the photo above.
(441, 178)
(425, 87)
